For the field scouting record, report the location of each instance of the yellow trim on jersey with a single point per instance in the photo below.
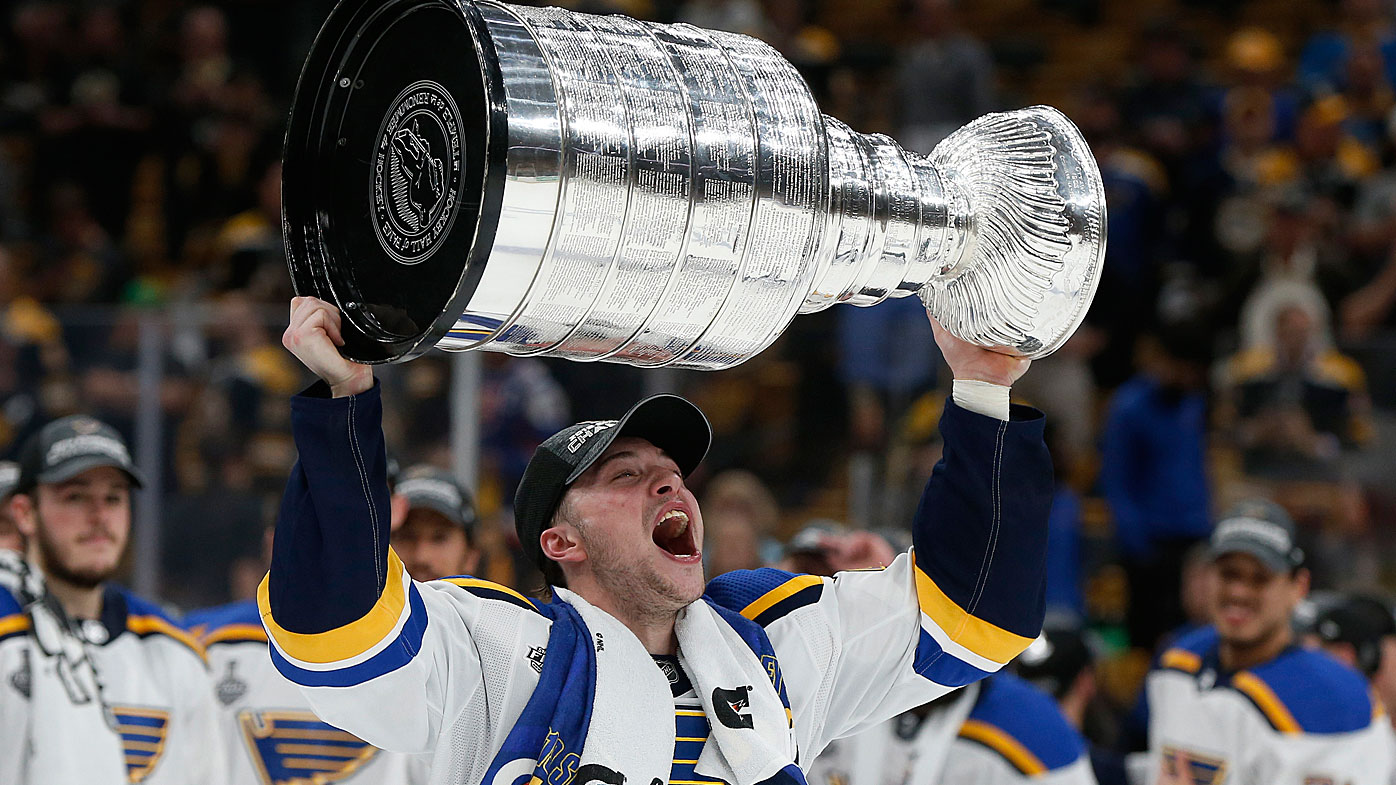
(984, 638)
(1005, 745)
(1181, 659)
(1267, 700)
(690, 712)
(763, 603)
(1378, 708)
(466, 583)
(347, 641)
(234, 633)
(145, 625)
(15, 623)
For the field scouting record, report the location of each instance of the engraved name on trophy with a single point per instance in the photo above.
(541, 182)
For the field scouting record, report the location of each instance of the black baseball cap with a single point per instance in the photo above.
(1361, 621)
(1054, 660)
(428, 487)
(1262, 529)
(667, 421)
(67, 447)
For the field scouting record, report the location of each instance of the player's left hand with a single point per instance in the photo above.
(970, 362)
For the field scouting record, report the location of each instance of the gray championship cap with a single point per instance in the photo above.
(1262, 529)
(431, 488)
(667, 421)
(9, 478)
(67, 447)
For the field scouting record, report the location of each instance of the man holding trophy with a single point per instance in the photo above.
(546, 183)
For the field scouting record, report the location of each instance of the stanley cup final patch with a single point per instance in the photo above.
(417, 172)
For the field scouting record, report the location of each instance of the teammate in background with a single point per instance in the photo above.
(96, 685)
(436, 537)
(1060, 663)
(271, 735)
(629, 675)
(1360, 631)
(10, 538)
(1239, 701)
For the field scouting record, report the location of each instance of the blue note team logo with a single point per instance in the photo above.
(297, 748)
(142, 731)
(417, 172)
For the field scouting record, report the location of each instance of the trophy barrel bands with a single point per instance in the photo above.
(540, 182)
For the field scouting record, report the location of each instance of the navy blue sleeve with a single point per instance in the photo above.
(981, 529)
(330, 556)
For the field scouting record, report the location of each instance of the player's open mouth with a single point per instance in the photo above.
(673, 534)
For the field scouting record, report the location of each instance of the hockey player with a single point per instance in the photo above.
(999, 731)
(96, 684)
(271, 735)
(1239, 701)
(436, 538)
(631, 675)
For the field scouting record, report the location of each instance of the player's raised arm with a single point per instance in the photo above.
(345, 620)
(965, 601)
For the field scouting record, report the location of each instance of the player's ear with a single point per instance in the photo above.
(22, 511)
(1302, 577)
(562, 544)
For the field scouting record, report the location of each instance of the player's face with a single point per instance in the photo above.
(79, 527)
(432, 547)
(640, 526)
(1253, 603)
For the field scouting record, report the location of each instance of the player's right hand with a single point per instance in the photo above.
(314, 336)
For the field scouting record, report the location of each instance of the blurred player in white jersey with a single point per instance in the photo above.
(97, 686)
(271, 734)
(1239, 701)
(1361, 631)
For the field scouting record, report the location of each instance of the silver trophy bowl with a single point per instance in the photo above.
(477, 175)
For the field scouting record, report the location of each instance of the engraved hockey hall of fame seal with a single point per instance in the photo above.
(417, 172)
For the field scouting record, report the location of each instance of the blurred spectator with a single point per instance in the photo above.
(1361, 24)
(520, 406)
(1167, 101)
(35, 369)
(945, 76)
(1154, 474)
(1066, 603)
(1293, 403)
(740, 518)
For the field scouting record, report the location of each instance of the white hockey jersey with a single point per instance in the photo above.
(1301, 719)
(271, 735)
(448, 667)
(153, 684)
(1001, 731)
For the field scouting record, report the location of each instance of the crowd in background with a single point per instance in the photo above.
(1241, 343)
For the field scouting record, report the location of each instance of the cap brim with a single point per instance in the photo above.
(69, 469)
(1274, 561)
(668, 422)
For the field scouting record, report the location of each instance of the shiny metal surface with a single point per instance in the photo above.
(673, 196)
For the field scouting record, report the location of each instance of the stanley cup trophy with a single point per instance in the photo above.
(474, 175)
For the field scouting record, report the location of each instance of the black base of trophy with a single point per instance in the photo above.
(393, 170)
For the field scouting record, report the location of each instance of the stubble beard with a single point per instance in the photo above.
(51, 556)
(641, 591)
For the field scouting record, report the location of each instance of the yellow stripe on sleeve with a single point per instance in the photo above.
(235, 633)
(763, 603)
(466, 583)
(145, 625)
(1181, 659)
(981, 637)
(347, 641)
(1265, 698)
(15, 623)
(1005, 745)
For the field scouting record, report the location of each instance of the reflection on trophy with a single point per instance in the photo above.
(541, 182)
